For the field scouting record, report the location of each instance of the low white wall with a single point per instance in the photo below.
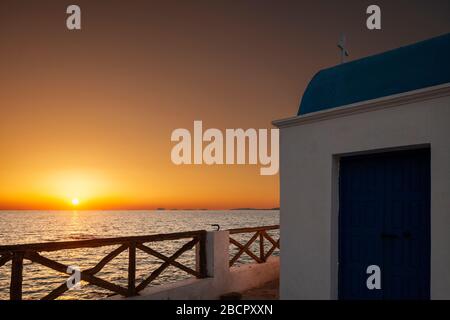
(221, 279)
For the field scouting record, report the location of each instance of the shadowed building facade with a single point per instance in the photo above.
(365, 174)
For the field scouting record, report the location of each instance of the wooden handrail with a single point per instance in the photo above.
(21, 252)
(253, 229)
(93, 243)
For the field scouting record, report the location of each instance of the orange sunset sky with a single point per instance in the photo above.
(88, 114)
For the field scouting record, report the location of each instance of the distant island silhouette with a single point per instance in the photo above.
(204, 209)
(256, 209)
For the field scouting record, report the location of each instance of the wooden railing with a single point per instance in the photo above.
(17, 254)
(260, 233)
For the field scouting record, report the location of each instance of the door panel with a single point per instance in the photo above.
(384, 220)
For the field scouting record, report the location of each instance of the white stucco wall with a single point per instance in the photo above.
(310, 147)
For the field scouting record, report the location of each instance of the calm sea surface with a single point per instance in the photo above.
(18, 227)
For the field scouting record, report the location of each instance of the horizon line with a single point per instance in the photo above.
(147, 209)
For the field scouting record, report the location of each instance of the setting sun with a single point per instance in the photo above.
(75, 202)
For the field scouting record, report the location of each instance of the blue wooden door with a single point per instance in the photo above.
(384, 220)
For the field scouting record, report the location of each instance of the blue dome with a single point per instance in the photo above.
(413, 67)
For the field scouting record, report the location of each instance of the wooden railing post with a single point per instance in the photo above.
(132, 269)
(261, 247)
(15, 290)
